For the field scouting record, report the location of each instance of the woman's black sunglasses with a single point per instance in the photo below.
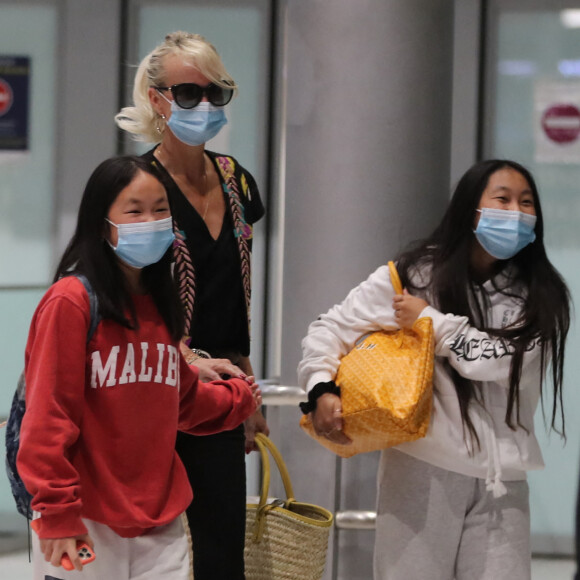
(189, 95)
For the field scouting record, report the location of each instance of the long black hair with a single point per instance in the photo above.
(89, 253)
(545, 315)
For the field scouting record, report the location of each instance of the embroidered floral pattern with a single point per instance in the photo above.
(242, 230)
(185, 274)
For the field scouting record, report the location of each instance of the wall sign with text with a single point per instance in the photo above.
(14, 103)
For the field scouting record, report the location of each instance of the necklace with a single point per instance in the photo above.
(203, 192)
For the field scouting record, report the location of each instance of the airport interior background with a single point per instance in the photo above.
(356, 117)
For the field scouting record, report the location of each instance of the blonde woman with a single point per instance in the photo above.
(180, 96)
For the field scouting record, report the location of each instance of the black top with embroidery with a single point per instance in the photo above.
(219, 320)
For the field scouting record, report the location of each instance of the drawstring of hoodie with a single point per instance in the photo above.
(493, 480)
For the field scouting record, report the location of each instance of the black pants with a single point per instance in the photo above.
(216, 468)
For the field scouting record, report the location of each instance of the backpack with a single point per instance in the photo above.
(17, 410)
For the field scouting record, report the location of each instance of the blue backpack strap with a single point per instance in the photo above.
(94, 306)
(12, 442)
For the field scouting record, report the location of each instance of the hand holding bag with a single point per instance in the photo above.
(386, 387)
(285, 539)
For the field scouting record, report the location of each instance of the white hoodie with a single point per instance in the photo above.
(504, 454)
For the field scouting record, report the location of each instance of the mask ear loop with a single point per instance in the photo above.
(477, 210)
(104, 237)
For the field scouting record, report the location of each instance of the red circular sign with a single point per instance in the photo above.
(562, 123)
(6, 97)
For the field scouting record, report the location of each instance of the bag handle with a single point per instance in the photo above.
(395, 280)
(264, 445)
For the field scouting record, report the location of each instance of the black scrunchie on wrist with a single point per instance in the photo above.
(317, 391)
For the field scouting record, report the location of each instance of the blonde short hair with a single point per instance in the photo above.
(141, 120)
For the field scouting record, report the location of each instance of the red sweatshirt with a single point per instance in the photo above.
(99, 431)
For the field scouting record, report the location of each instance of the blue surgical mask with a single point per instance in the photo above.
(503, 233)
(143, 243)
(198, 125)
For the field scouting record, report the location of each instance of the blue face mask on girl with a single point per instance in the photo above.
(503, 233)
(143, 243)
(198, 125)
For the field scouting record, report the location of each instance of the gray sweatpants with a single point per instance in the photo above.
(434, 524)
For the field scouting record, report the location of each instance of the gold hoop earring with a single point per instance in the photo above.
(158, 126)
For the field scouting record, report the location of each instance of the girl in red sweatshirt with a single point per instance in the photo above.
(97, 449)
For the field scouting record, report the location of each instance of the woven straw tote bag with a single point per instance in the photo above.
(285, 539)
(386, 387)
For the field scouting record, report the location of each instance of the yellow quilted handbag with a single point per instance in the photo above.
(386, 387)
(285, 539)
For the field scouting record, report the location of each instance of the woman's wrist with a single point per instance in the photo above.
(316, 392)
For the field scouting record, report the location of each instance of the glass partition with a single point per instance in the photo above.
(28, 78)
(27, 175)
(533, 117)
(240, 31)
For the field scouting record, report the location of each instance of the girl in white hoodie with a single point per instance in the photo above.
(455, 503)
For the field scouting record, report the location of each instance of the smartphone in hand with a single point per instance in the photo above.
(85, 553)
